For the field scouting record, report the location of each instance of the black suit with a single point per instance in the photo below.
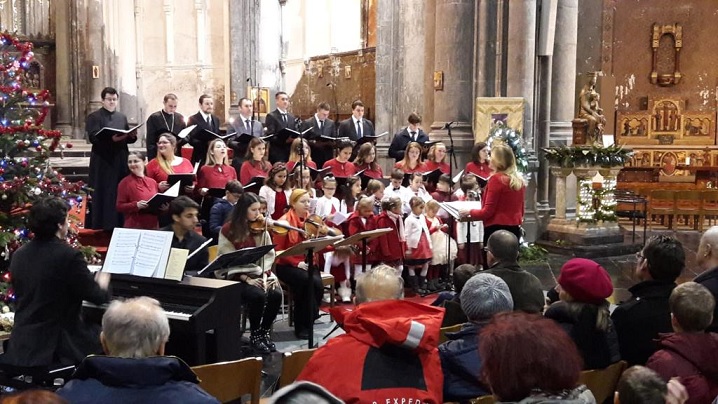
(240, 148)
(401, 140)
(322, 150)
(347, 128)
(159, 123)
(51, 280)
(279, 150)
(200, 139)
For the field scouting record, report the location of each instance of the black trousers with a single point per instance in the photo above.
(297, 279)
(262, 307)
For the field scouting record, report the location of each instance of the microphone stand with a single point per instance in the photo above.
(301, 151)
(452, 221)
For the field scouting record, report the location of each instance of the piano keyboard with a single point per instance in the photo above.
(172, 315)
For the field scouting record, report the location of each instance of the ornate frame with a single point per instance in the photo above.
(509, 110)
(675, 31)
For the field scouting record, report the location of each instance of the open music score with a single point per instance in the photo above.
(145, 253)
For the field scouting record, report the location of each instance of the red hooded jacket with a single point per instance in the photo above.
(691, 357)
(388, 354)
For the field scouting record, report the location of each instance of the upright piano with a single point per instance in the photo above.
(204, 314)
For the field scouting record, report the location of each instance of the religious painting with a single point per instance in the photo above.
(438, 80)
(260, 99)
(492, 111)
(698, 128)
(633, 128)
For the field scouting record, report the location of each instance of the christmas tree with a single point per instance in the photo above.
(25, 147)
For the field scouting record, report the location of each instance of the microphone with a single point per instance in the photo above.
(448, 125)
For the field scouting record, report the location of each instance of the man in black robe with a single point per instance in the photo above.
(108, 161)
(204, 119)
(163, 121)
(277, 120)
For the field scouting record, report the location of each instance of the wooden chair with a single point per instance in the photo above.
(662, 203)
(689, 204)
(229, 381)
(292, 365)
(602, 382)
(443, 331)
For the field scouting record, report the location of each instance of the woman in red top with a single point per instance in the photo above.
(340, 165)
(167, 163)
(436, 158)
(412, 160)
(256, 164)
(216, 172)
(260, 289)
(366, 160)
(503, 202)
(133, 192)
(295, 158)
(480, 163)
(293, 270)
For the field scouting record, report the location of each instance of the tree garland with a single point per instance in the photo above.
(513, 139)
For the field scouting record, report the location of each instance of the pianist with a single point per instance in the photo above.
(185, 217)
(134, 334)
(51, 280)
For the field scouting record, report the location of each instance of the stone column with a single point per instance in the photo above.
(560, 175)
(95, 55)
(454, 50)
(387, 56)
(522, 57)
(243, 45)
(63, 70)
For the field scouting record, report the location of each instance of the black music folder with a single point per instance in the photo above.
(432, 176)
(319, 173)
(187, 179)
(159, 199)
(109, 132)
(244, 256)
(287, 133)
(370, 138)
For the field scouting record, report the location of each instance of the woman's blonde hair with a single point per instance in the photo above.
(505, 162)
(405, 162)
(210, 161)
(294, 151)
(296, 194)
(431, 156)
(166, 165)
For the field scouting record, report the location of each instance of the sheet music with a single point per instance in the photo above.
(186, 131)
(152, 250)
(175, 264)
(121, 252)
(457, 177)
(339, 218)
(138, 252)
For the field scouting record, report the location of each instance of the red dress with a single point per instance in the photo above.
(355, 224)
(292, 164)
(156, 172)
(482, 170)
(280, 204)
(216, 176)
(423, 250)
(433, 165)
(251, 169)
(341, 170)
(421, 168)
(375, 174)
(131, 190)
(390, 248)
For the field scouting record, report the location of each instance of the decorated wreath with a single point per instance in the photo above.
(513, 139)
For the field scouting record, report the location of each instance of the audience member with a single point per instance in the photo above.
(34, 397)
(640, 385)
(689, 353)
(646, 314)
(502, 254)
(134, 334)
(483, 296)
(707, 260)
(528, 358)
(461, 274)
(303, 393)
(582, 311)
(389, 350)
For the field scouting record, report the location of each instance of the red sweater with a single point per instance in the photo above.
(156, 172)
(502, 205)
(433, 165)
(389, 247)
(421, 168)
(216, 176)
(131, 190)
(282, 242)
(342, 170)
(376, 174)
(482, 170)
(251, 169)
(356, 225)
(292, 164)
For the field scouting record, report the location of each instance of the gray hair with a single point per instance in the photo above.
(485, 295)
(135, 328)
(380, 283)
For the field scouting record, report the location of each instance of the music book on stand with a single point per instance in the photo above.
(368, 235)
(453, 209)
(187, 179)
(161, 198)
(222, 264)
(145, 253)
(109, 132)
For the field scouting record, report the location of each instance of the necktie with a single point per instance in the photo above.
(209, 122)
(248, 126)
(284, 118)
(413, 136)
(321, 127)
(359, 129)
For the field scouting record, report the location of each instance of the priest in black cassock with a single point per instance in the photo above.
(165, 120)
(204, 119)
(275, 121)
(108, 161)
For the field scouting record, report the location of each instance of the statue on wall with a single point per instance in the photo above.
(591, 111)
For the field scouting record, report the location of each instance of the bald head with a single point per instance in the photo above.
(380, 283)
(504, 246)
(707, 254)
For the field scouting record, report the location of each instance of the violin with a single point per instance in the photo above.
(276, 226)
(315, 226)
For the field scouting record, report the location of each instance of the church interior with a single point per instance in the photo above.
(609, 108)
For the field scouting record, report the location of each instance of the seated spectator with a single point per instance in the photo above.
(528, 358)
(303, 392)
(461, 274)
(582, 311)
(502, 254)
(646, 314)
(389, 350)
(34, 397)
(135, 370)
(707, 260)
(640, 385)
(221, 209)
(689, 353)
(483, 296)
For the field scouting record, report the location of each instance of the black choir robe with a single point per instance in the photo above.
(161, 122)
(108, 166)
(322, 150)
(279, 150)
(200, 139)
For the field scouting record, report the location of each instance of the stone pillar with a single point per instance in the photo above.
(563, 77)
(454, 48)
(387, 54)
(522, 57)
(63, 71)
(560, 175)
(243, 45)
(95, 55)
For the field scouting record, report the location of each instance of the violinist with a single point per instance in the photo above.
(260, 289)
(293, 270)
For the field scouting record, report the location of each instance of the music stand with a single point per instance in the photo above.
(243, 256)
(308, 248)
(453, 208)
(364, 237)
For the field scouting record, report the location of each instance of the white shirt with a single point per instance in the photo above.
(324, 206)
(270, 195)
(408, 194)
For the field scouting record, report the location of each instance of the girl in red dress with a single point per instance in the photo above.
(362, 219)
(216, 172)
(391, 246)
(480, 163)
(366, 160)
(412, 160)
(133, 192)
(276, 191)
(418, 244)
(340, 165)
(256, 164)
(295, 158)
(444, 247)
(167, 163)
